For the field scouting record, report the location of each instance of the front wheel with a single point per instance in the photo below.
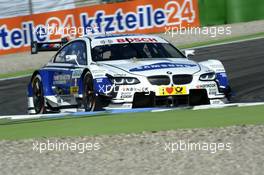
(91, 101)
(38, 97)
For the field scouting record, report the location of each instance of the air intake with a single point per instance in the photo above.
(182, 79)
(159, 80)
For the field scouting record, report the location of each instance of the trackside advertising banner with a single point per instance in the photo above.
(138, 16)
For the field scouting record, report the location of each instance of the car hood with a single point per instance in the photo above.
(149, 67)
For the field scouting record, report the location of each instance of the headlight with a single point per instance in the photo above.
(208, 76)
(124, 80)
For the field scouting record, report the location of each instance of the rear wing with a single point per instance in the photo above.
(47, 46)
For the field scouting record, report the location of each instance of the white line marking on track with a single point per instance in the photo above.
(225, 43)
(227, 105)
(44, 116)
(25, 117)
(17, 77)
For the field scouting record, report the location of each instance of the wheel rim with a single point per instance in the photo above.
(38, 99)
(89, 95)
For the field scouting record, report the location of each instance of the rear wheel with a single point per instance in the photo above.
(91, 101)
(38, 97)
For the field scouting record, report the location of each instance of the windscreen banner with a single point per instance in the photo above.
(137, 16)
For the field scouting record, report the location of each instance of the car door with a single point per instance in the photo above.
(67, 68)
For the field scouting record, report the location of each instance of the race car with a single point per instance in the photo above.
(122, 71)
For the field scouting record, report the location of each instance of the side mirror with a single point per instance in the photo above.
(189, 52)
(72, 58)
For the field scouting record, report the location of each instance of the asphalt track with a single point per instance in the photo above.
(244, 62)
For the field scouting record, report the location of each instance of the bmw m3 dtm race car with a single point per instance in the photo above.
(122, 71)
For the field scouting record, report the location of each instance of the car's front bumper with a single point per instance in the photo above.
(148, 95)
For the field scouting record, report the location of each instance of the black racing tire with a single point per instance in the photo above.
(229, 94)
(38, 95)
(91, 101)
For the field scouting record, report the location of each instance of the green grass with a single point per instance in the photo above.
(28, 72)
(16, 74)
(134, 123)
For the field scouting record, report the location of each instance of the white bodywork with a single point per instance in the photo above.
(122, 68)
(141, 69)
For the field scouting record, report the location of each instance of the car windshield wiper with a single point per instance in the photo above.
(135, 48)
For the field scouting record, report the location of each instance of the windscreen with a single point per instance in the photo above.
(135, 50)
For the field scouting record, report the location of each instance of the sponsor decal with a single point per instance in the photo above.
(126, 95)
(137, 40)
(174, 90)
(205, 86)
(119, 75)
(211, 88)
(138, 16)
(164, 65)
(127, 105)
(216, 102)
(109, 41)
(134, 89)
(61, 79)
(74, 90)
(77, 73)
(212, 91)
(97, 74)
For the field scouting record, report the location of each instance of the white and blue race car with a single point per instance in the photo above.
(122, 72)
